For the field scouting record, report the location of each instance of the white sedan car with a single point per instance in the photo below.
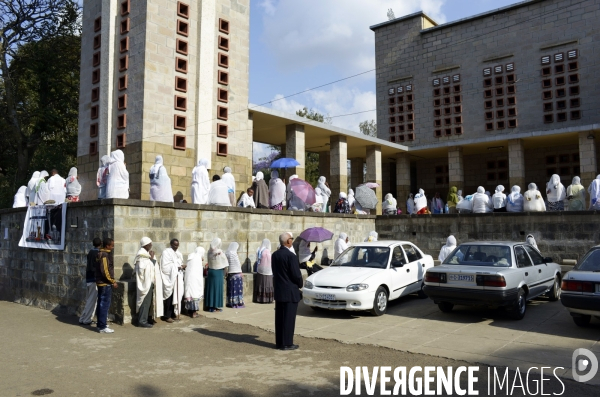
(496, 274)
(367, 276)
(581, 288)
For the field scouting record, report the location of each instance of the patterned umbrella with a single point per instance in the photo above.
(316, 235)
(366, 197)
(303, 190)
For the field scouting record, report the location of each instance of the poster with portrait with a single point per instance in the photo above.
(45, 227)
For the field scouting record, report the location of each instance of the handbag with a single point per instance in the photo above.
(205, 271)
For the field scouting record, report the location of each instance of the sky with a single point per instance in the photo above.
(296, 45)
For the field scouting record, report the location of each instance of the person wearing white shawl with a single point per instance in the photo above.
(372, 237)
(72, 185)
(594, 191)
(556, 194)
(340, 245)
(389, 205)
(576, 195)
(358, 209)
(318, 205)
(410, 205)
(42, 193)
(499, 199)
(102, 176)
(20, 198)
(56, 186)
(447, 249)
(235, 279)
(200, 183)
(263, 283)
(276, 192)
(30, 192)
(160, 183)
(421, 203)
(514, 201)
(148, 284)
(246, 201)
(293, 201)
(532, 200)
(229, 180)
(351, 198)
(171, 268)
(531, 241)
(217, 271)
(325, 193)
(117, 182)
(194, 282)
(490, 204)
(481, 201)
(218, 194)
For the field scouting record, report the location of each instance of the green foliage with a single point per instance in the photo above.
(312, 114)
(368, 127)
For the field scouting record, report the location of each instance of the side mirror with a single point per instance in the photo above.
(398, 263)
(548, 260)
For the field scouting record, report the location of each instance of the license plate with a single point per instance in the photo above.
(461, 277)
(326, 297)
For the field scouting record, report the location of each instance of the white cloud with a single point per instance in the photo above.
(309, 33)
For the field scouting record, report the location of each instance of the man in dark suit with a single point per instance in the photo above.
(287, 281)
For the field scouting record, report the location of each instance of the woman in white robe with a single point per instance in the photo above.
(351, 198)
(594, 191)
(42, 193)
(218, 194)
(533, 200)
(340, 245)
(410, 205)
(246, 201)
(263, 282)
(147, 275)
(514, 201)
(56, 186)
(481, 201)
(200, 183)
(229, 180)
(160, 183)
(217, 272)
(325, 193)
(318, 205)
(499, 199)
(194, 282)
(576, 195)
(294, 203)
(73, 187)
(420, 203)
(556, 194)
(102, 176)
(277, 192)
(20, 198)
(447, 249)
(30, 192)
(372, 237)
(117, 183)
(389, 205)
(531, 241)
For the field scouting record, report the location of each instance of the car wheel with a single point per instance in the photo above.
(582, 321)
(520, 306)
(380, 302)
(421, 293)
(554, 293)
(446, 307)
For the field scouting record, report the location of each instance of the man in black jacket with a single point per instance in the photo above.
(90, 279)
(287, 281)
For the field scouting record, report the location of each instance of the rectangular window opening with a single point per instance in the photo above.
(179, 142)
(222, 130)
(95, 94)
(222, 95)
(222, 113)
(223, 77)
(183, 28)
(123, 83)
(223, 26)
(122, 121)
(125, 7)
(94, 112)
(180, 84)
(96, 59)
(221, 149)
(124, 63)
(124, 44)
(122, 102)
(223, 43)
(183, 10)
(179, 122)
(93, 148)
(97, 42)
(181, 46)
(97, 24)
(181, 65)
(180, 103)
(125, 26)
(93, 130)
(121, 141)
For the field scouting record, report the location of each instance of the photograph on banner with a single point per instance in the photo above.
(44, 227)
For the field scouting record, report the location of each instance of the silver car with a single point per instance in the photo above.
(581, 288)
(495, 274)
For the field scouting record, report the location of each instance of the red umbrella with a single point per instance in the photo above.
(303, 190)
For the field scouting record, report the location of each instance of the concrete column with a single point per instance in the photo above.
(516, 165)
(295, 148)
(456, 170)
(588, 169)
(374, 171)
(402, 179)
(338, 167)
(325, 165)
(356, 171)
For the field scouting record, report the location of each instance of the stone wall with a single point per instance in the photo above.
(560, 235)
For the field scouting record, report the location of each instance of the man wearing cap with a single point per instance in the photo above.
(149, 284)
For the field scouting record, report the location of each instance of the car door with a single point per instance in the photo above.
(529, 273)
(414, 267)
(545, 273)
(400, 277)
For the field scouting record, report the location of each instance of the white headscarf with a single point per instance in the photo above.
(499, 198)
(372, 237)
(117, 184)
(420, 201)
(160, 183)
(514, 201)
(194, 278)
(72, 184)
(531, 241)
(480, 201)
(325, 192)
(343, 196)
(389, 202)
(594, 191)
(56, 186)
(448, 248)
(229, 180)
(30, 192)
(263, 257)
(102, 176)
(216, 258)
(410, 205)
(351, 198)
(218, 194)
(532, 200)
(276, 189)
(42, 193)
(200, 183)
(340, 245)
(555, 190)
(232, 257)
(259, 176)
(20, 198)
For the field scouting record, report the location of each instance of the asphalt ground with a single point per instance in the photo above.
(49, 354)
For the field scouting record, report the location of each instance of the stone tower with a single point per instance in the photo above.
(165, 77)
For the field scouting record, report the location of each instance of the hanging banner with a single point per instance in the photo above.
(45, 227)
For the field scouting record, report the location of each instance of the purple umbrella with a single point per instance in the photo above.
(303, 190)
(370, 185)
(316, 235)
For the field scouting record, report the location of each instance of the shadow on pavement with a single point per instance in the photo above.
(238, 338)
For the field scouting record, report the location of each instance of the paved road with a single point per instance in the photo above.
(200, 357)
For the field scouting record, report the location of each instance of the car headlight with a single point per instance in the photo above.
(357, 287)
(308, 285)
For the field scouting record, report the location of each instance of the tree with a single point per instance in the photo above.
(312, 159)
(39, 87)
(368, 127)
(312, 114)
(390, 14)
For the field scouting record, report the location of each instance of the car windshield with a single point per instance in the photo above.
(480, 255)
(374, 257)
(590, 262)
